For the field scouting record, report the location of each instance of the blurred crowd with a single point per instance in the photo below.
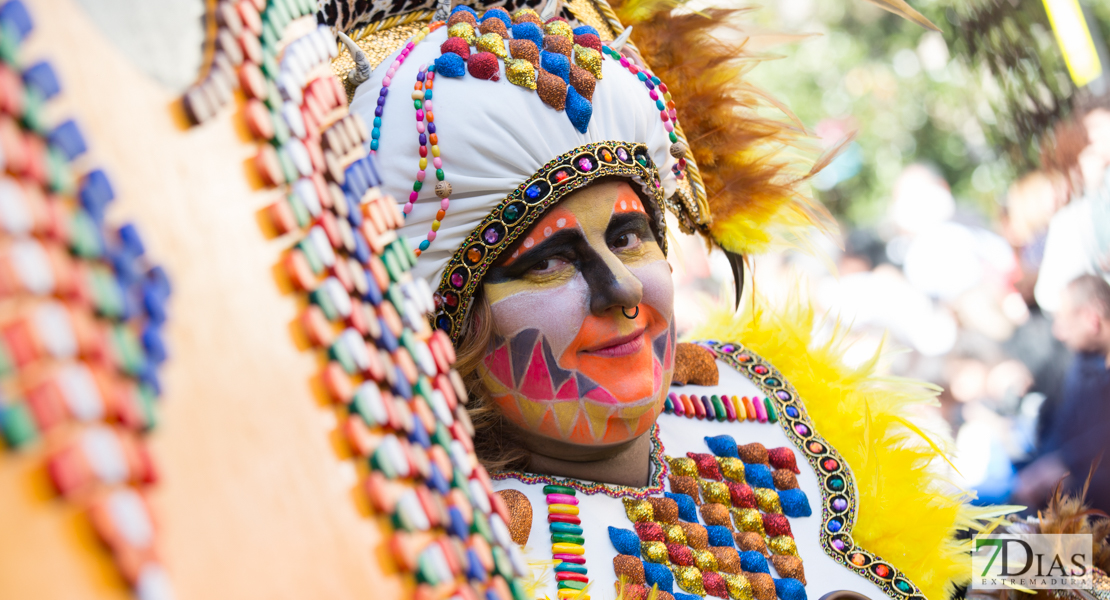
(1009, 314)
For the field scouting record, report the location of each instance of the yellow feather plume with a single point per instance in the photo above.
(908, 512)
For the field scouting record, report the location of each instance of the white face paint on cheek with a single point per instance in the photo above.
(658, 287)
(558, 313)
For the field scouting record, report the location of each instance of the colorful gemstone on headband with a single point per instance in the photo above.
(491, 235)
(512, 212)
(622, 154)
(473, 255)
(585, 164)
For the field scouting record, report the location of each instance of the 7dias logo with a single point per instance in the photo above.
(1031, 561)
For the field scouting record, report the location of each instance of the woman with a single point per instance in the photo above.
(555, 159)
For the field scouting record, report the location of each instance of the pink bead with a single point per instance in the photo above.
(431, 236)
(408, 207)
(420, 175)
(420, 127)
(445, 204)
(419, 115)
(396, 65)
(413, 196)
(562, 499)
(410, 46)
(673, 113)
(386, 81)
(663, 116)
(428, 105)
(437, 162)
(624, 62)
(653, 94)
(669, 126)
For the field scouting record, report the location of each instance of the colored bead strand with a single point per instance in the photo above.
(376, 133)
(426, 134)
(566, 541)
(668, 114)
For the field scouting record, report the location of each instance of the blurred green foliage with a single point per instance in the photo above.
(969, 101)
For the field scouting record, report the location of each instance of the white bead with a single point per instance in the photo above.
(356, 346)
(370, 399)
(341, 301)
(299, 155)
(480, 500)
(130, 516)
(500, 531)
(293, 117)
(32, 266)
(105, 456)
(81, 393)
(55, 330)
(15, 218)
(320, 243)
(306, 191)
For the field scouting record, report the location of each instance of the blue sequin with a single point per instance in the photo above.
(759, 476)
(528, 31)
(719, 536)
(466, 8)
(681, 596)
(660, 575)
(625, 541)
(556, 64)
(794, 503)
(458, 526)
(790, 589)
(579, 110)
(474, 570)
(753, 562)
(497, 14)
(722, 445)
(451, 65)
(584, 29)
(687, 509)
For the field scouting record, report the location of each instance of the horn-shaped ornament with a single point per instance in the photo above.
(361, 72)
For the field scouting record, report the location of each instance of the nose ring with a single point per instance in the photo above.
(624, 311)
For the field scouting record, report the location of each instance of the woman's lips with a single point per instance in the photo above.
(622, 346)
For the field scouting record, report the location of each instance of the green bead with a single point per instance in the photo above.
(772, 415)
(572, 585)
(148, 404)
(674, 137)
(271, 69)
(9, 44)
(308, 249)
(418, 104)
(6, 365)
(481, 526)
(422, 387)
(442, 437)
(17, 426)
(129, 349)
(270, 37)
(83, 240)
(288, 169)
(281, 130)
(321, 299)
(300, 212)
(425, 571)
(558, 489)
(516, 586)
(718, 407)
(391, 266)
(568, 528)
(380, 462)
(439, 174)
(501, 562)
(567, 538)
(32, 110)
(342, 355)
(416, 185)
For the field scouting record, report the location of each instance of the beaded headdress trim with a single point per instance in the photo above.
(513, 216)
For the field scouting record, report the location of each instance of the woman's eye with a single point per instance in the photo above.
(547, 265)
(626, 241)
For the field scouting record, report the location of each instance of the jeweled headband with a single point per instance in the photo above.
(516, 213)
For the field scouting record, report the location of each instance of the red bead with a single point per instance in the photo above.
(484, 65)
(572, 519)
(649, 531)
(707, 465)
(423, 152)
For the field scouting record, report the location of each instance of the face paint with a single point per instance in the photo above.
(565, 363)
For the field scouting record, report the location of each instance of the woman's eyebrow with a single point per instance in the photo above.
(559, 241)
(626, 220)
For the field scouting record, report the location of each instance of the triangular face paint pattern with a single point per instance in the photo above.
(558, 375)
(521, 348)
(537, 380)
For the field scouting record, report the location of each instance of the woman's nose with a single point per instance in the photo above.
(612, 285)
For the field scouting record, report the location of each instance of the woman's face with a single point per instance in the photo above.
(566, 362)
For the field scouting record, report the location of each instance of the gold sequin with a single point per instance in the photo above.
(629, 567)
(664, 510)
(492, 42)
(559, 28)
(739, 588)
(588, 59)
(763, 587)
(732, 468)
(715, 514)
(715, 491)
(748, 519)
(696, 535)
(527, 15)
(463, 30)
(638, 510)
(674, 534)
(728, 559)
(783, 544)
(705, 560)
(689, 579)
(520, 515)
(768, 500)
(655, 552)
(681, 465)
(520, 72)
